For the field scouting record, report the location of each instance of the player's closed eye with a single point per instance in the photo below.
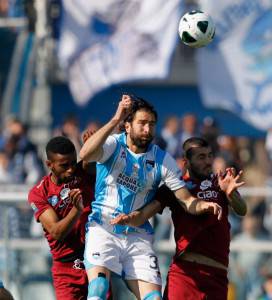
(67, 166)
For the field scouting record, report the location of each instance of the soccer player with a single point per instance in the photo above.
(61, 203)
(4, 293)
(129, 170)
(199, 267)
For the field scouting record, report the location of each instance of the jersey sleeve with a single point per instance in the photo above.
(38, 202)
(171, 174)
(165, 196)
(108, 148)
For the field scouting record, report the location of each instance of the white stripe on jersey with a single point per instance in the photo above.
(126, 181)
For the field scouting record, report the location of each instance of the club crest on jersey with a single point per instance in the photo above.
(64, 193)
(53, 200)
(150, 164)
(205, 184)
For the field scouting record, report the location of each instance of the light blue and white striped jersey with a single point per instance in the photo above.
(126, 181)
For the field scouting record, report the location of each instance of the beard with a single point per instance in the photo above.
(194, 171)
(67, 179)
(61, 178)
(140, 142)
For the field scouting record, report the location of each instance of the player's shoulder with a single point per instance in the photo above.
(41, 187)
(118, 138)
(209, 182)
(158, 151)
(214, 180)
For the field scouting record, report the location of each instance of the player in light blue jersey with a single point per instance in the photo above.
(129, 170)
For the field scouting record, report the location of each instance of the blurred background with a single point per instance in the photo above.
(63, 68)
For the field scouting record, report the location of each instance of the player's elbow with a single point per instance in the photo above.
(83, 155)
(57, 237)
(57, 234)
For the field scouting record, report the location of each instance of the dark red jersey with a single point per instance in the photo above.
(47, 194)
(203, 234)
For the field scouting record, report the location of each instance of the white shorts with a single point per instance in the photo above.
(129, 255)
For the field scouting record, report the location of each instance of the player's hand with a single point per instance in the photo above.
(230, 182)
(123, 108)
(86, 135)
(121, 219)
(76, 198)
(212, 208)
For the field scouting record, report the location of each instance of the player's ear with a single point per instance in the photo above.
(127, 127)
(185, 162)
(48, 163)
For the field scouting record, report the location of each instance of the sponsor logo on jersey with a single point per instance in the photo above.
(53, 200)
(207, 195)
(129, 182)
(205, 184)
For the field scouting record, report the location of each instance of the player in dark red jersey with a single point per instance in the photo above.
(199, 267)
(61, 202)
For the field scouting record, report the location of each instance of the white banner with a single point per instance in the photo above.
(116, 41)
(235, 71)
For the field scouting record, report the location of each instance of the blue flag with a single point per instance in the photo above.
(112, 41)
(235, 70)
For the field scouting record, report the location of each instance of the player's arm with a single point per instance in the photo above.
(229, 183)
(57, 228)
(171, 177)
(85, 136)
(92, 150)
(196, 206)
(138, 217)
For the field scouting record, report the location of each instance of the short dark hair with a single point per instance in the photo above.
(140, 104)
(59, 145)
(191, 143)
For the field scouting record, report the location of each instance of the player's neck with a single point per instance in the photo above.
(134, 148)
(194, 176)
(54, 179)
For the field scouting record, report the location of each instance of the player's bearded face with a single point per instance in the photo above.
(142, 129)
(63, 167)
(141, 141)
(200, 164)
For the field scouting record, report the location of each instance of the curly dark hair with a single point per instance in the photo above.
(137, 105)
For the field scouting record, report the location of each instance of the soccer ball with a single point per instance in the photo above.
(196, 29)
